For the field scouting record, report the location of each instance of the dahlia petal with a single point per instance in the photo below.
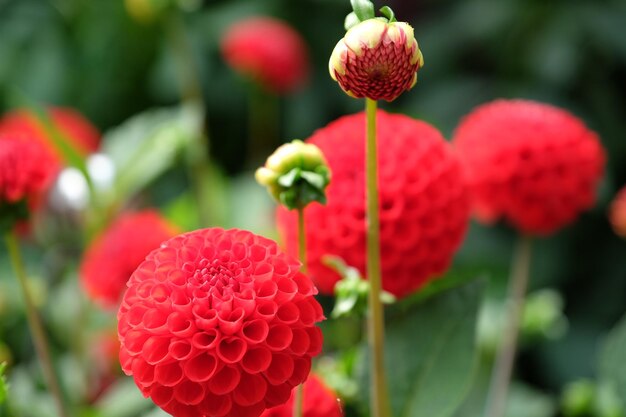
(288, 313)
(162, 395)
(201, 368)
(168, 374)
(181, 350)
(205, 340)
(231, 349)
(280, 369)
(256, 360)
(216, 405)
(189, 393)
(279, 337)
(300, 342)
(255, 331)
(251, 389)
(156, 349)
(224, 381)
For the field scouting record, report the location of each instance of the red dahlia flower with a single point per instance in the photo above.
(423, 203)
(218, 322)
(25, 169)
(532, 164)
(83, 136)
(318, 401)
(267, 50)
(617, 213)
(113, 256)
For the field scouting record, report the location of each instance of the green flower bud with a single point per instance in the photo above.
(296, 174)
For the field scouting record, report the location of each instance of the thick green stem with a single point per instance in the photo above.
(375, 318)
(503, 367)
(298, 401)
(191, 93)
(34, 323)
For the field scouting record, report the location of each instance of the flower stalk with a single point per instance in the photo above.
(503, 368)
(34, 323)
(298, 403)
(375, 318)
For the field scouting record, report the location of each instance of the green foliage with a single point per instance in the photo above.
(430, 355)
(147, 145)
(612, 361)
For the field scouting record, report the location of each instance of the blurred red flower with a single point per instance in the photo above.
(25, 169)
(218, 322)
(81, 134)
(532, 164)
(269, 51)
(423, 202)
(318, 401)
(112, 257)
(617, 213)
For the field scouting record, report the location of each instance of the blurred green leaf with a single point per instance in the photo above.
(612, 360)
(524, 402)
(145, 146)
(431, 355)
(122, 400)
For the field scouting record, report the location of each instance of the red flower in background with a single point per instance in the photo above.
(25, 169)
(532, 164)
(423, 203)
(267, 50)
(81, 134)
(617, 213)
(218, 322)
(112, 257)
(318, 401)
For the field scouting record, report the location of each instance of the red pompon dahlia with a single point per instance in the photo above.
(318, 401)
(113, 256)
(424, 206)
(81, 134)
(25, 169)
(218, 323)
(534, 165)
(376, 59)
(617, 213)
(267, 50)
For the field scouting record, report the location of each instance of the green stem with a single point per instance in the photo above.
(264, 123)
(375, 318)
(34, 323)
(191, 93)
(503, 367)
(298, 402)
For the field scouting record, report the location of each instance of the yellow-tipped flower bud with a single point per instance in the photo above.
(295, 174)
(377, 59)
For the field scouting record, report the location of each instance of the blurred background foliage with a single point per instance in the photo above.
(93, 56)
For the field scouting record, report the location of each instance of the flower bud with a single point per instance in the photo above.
(376, 59)
(296, 174)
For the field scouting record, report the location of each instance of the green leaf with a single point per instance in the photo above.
(350, 21)
(430, 354)
(364, 9)
(612, 360)
(145, 146)
(388, 13)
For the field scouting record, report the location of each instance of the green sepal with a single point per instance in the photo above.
(11, 213)
(300, 188)
(3, 383)
(364, 9)
(352, 290)
(388, 13)
(351, 21)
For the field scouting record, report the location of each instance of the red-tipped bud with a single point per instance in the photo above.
(376, 59)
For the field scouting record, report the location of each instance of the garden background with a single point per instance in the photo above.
(94, 57)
